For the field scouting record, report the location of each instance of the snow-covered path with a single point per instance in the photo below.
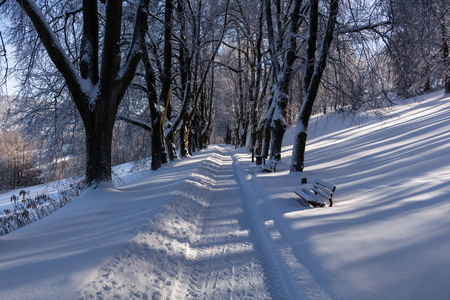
(204, 236)
(209, 242)
(226, 264)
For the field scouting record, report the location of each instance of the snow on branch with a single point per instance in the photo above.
(228, 67)
(368, 26)
(4, 58)
(136, 122)
(68, 13)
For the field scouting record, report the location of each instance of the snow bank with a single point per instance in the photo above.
(56, 256)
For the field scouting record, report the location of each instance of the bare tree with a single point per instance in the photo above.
(244, 61)
(176, 88)
(206, 41)
(98, 83)
(17, 162)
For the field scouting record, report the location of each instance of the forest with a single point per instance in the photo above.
(101, 83)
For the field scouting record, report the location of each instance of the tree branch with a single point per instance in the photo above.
(180, 116)
(56, 53)
(360, 28)
(135, 122)
(134, 55)
(228, 67)
(111, 49)
(215, 52)
(140, 87)
(89, 42)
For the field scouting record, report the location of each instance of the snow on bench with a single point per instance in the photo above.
(319, 194)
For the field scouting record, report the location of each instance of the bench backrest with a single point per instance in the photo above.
(324, 189)
(326, 184)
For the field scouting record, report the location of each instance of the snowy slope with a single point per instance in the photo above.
(388, 234)
(213, 226)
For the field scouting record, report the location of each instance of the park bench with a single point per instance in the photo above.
(318, 194)
(271, 167)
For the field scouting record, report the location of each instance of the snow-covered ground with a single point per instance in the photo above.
(213, 226)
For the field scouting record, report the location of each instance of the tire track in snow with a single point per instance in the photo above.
(186, 286)
(226, 265)
(286, 277)
(307, 283)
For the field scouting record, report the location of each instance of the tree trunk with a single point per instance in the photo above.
(159, 155)
(282, 81)
(445, 54)
(313, 79)
(99, 133)
(301, 134)
(185, 71)
(184, 137)
(278, 125)
(265, 139)
(258, 142)
(171, 148)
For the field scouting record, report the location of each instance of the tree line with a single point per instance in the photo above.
(105, 82)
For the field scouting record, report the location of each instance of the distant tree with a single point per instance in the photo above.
(176, 76)
(18, 163)
(418, 45)
(210, 25)
(243, 61)
(44, 111)
(358, 75)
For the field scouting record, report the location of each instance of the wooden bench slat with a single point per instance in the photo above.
(325, 190)
(320, 193)
(326, 184)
